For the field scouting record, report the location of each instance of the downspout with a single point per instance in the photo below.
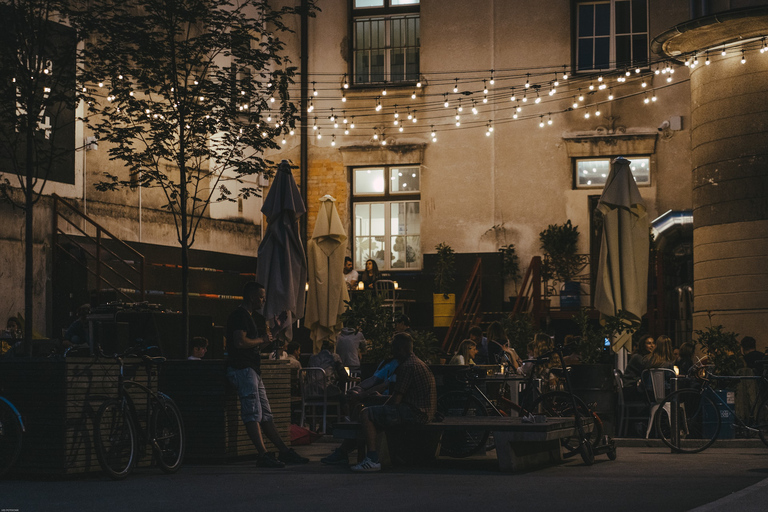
(304, 133)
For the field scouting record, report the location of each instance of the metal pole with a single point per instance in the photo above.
(304, 133)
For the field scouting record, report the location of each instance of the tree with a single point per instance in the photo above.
(37, 111)
(194, 91)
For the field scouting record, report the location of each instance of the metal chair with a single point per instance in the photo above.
(314, 397)
(659, 379)
(627, 410)
(385, 289)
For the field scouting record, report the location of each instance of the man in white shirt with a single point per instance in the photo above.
(350, 274)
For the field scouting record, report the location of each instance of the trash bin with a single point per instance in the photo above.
(726, 415)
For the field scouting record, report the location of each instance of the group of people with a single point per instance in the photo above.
(368, 276)
(401, 391)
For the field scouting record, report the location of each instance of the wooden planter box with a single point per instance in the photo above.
(58, 400)
(211, 409)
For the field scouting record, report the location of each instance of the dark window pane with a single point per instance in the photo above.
(586, 15)
(361, 67)
(377, 66)
(639, 16)
(640, 49)
(397, 65)
(622, 17)
(623, 55)
(602, 19)
(412, 64)
(397, 33)
(585, 54)
(602, 52)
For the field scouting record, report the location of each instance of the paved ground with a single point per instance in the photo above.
(733, 479)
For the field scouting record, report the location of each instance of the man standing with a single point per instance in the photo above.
(350, 344)
(414, 399)
(246, 335)
(350, 274)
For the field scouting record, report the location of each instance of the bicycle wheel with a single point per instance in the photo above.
(558, 404)
(10, 437)
(167, 433)
(115, 439)
(688, 421)
(462, 443)
(761, 421)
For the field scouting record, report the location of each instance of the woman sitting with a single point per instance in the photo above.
(636, 363)
(544, 347)
(662, 356)
(370, 275)
(465, 355)
(499, 351)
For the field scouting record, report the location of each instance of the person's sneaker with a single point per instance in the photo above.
(267, 460)
(291, 457)
(367, 466)
(337, 458)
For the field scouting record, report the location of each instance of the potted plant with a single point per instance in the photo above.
(561, 261)
(443, 301)
(510, 266)
(723, 352)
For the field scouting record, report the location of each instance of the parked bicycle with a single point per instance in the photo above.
(689, 420)
(11, 433)
(471, 401)
(121, 430)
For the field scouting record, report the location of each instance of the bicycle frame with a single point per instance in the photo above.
(706, 387)
(123, 396)
(15, 411)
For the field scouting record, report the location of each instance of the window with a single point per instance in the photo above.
(386, 216)
(611, 34)
(385, 41)
(593, 172)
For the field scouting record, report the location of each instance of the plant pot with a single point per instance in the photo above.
(594, 384)
(570, 296)
(726, 416)
(443, 309)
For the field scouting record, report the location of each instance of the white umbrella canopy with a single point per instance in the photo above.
(622, 275)
(327, 289)
(282, 262)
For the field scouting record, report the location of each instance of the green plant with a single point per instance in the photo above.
(445, 268)
(519, 330)
(560, 243)
(367, 312)
(510, 263)
(426, 346)
(591, 342)
(723, 349)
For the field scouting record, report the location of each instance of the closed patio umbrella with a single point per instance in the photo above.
(622, 275)
(282, 262)
(327, 289)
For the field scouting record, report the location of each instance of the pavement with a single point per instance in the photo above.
(729, 477)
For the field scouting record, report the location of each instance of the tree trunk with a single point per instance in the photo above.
(29, 260)
(184, 241)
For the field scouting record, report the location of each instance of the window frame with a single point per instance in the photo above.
(575, 170)
(387, 13)
(612, 64)
(387, 198)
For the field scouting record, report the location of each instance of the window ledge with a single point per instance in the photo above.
(392, 154)
(602, 143)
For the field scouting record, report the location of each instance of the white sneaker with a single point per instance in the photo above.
(367, 466)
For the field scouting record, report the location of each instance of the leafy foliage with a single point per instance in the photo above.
(560, 243)
(723, 349)
(591, 343)
(519, 329)
(445, 269)
(510, 265)
(367, 312)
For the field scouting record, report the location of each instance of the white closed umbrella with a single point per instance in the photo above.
(327, 289)
(622, 275)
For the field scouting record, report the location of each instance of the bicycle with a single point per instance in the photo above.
(689, 420)
(473, 402)
(118, 433)
(11, 433)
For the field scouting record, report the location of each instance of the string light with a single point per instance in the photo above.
(575, 103)
(610, 94)
(492, 80)
(541, 121)
(434, 134)
(527, 82)
(555, 82)
(581, 96)
(314, 91)
(333, 140)
(413, 95)
(723, 52)
(378, 103)
(346, 83)
(549, 121)
(418, 84)
(706, 61)
(445, 97)
(513, 97)
(352, 123)
(743, 57)
(485, 87)
(343, 97)
(311, 106)
(474, 108)
(537, 100)
(597, 110)
(565, 73)
(456, 86)
(384, 92)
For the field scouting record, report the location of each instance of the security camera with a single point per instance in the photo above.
(663, 126)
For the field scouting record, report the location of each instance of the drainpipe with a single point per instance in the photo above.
(304, 133)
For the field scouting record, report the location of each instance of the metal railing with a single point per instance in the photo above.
(110, 260)
(467, 309)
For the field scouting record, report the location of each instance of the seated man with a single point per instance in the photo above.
(414, 400)
(199, 348)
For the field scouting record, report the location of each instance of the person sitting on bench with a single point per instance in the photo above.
(414, 400)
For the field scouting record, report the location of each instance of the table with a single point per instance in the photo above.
(515, 383)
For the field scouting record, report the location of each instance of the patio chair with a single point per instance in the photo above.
(659, 380)
(314, 397)
(628, 410)
(385, 289)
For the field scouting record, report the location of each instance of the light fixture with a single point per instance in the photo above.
(492, 80)
(456, 85)
(314, 91)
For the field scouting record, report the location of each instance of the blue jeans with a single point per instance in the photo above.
(254, 404)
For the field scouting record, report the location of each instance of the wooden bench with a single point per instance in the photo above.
(519, 445)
